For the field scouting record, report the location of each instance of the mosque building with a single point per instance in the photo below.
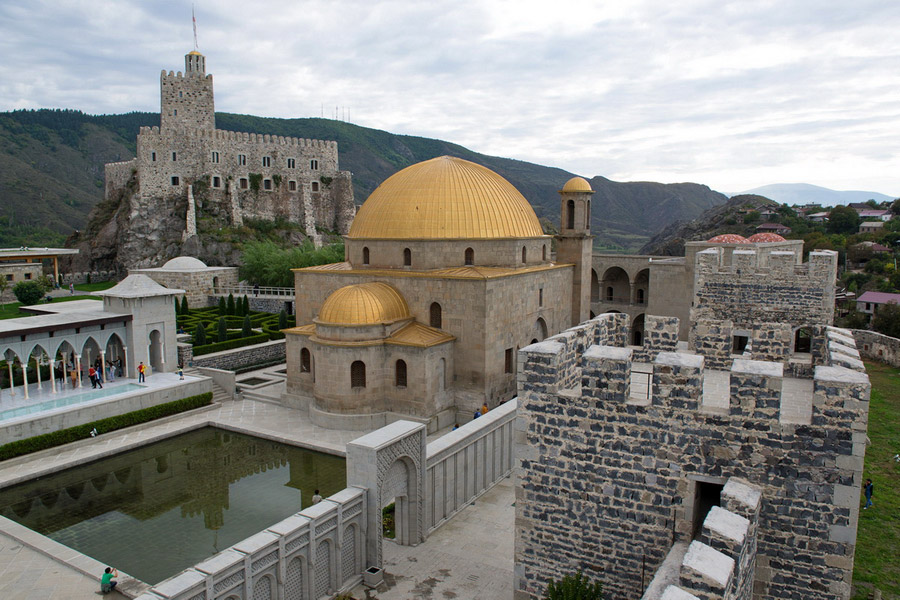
(447, 273)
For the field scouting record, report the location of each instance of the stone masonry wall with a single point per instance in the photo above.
(232, 360)
(780, 292)
(877, 346)
(604, 482)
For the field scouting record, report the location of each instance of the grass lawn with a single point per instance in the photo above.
(11, 310)
(95, 287)
(877, 561)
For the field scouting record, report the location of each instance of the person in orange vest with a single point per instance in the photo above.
(141, 369)
(484, 408)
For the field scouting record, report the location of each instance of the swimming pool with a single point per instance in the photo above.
(162, 508)
(31, 409)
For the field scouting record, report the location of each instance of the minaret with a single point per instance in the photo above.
(574, 243)
(186, 100)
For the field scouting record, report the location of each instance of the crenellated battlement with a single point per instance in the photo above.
(627, 468)
(178, 75)
(222, 135)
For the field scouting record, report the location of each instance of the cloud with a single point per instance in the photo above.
(732, 94)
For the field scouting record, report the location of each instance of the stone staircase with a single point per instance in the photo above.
(219, 393)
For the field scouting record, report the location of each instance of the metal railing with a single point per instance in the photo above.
(617, 300)
(250, 291)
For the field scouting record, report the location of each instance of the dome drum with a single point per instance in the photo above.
(330, 332)
(426, 254)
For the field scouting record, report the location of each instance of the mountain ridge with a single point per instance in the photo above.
(807, 193)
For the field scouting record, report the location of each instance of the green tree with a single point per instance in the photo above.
(854, 320)
(4, 285)
(751, 217)
(267, 263)
(843, 219)
(246, 305)
(200, 335)
(177, 310)
(184, 306)
(574, 587)
(28, 292)
(246, 328)
(230, 306)
(223, 330)
(887, 320)
(222, 307)
(282, 319)
(895, 206)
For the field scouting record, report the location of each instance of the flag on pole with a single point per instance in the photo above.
(194, 19)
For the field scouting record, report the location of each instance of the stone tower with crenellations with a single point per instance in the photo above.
(189, 177)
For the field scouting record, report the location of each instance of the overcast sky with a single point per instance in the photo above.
(731, 94)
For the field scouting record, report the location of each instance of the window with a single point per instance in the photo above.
(570, 214)
(470, 256)
(174, 156)
(609, 294)
(153, 156)
(314, 165)
(315, 186)
(524, 255)
(544, 252)
(739, 344)
(305, 361)
(27, 275)
(180, 94)
(217, 181)
(175, 113)
(541, 297)
(242, 160)
(434, 315)
(292, 186)
(365, 256)
(640, 296)
(407, 257)
(215, 157)
(9, 277)
(509, 365)
(292, 163)
(267, 161)
(175, 180)
(400, 374)
(243, 183)
(358, 374)
(267, 184)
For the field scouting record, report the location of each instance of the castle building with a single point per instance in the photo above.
(188, 171)
(697, 471)
(447, 274)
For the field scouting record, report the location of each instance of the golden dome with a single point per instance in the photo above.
(577, 184)
(445, 198)
(364, 304)
(194, 52)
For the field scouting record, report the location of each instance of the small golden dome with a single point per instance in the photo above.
(577, 184)
(364, 304)
(445, 198)
(194, 52)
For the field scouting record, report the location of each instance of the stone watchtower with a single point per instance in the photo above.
(575, 242)
(186, 100)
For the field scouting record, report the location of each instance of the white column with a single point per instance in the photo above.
(12, 383)
(25, 378)
(103, 365)
(53, 375)
(37, 364)
(125, 372)
(78, 368)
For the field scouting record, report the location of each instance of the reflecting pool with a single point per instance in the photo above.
(159, 509)
(69, 400)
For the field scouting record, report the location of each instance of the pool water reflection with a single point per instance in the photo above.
(159, 509)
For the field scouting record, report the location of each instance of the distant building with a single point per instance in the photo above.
(773, 228)
(871, 227)
(869, 302)
(870, 213)
(819, 217)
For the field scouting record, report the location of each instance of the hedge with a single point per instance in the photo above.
(80, 432)
(231, 344)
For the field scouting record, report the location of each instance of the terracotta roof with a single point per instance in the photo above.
(763, 238)
(728, 238)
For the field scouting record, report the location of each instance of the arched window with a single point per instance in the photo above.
(587, 214)
(640, 296)
(570, 214)
(400, 374)
(358, 374)
(470, 256)
(544, 252)
(524, 255)
(305, 361)
(609, 293)
(365, 256)
(407, 257)
(435, 315)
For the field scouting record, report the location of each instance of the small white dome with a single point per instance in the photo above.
(184, 263)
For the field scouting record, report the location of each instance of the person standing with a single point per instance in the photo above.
(71, 289)
(868, 491)
(92, 375)
(141, 369)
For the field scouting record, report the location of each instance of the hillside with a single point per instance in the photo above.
(51, 173)
(804, 193)
(724, 218)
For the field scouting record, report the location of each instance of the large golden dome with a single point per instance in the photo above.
(364, 304)
(445, 198)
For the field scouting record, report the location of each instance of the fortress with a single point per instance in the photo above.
(187, 173)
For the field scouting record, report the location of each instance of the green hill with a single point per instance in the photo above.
(51, 173)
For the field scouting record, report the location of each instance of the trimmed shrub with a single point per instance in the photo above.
(246, 329)
(200, 335)
(230, 306)
(223, 329)
(28, 292)
(231, 344)
(184, 306)
(222, 307)
(80, 432)
(282, 319)
(246, 305)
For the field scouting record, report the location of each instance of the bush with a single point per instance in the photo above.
(80, 432)
(231, 344)
(223, 329)
(222, 308)
(184, 306)
(282, 319)
(229, 310)
(246, 329)
(200, 335)
(576, 587)
(887, 320)
(28, 292)
(246, 305)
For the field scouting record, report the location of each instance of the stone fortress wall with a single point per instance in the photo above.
(769, 287)
(609, 482)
